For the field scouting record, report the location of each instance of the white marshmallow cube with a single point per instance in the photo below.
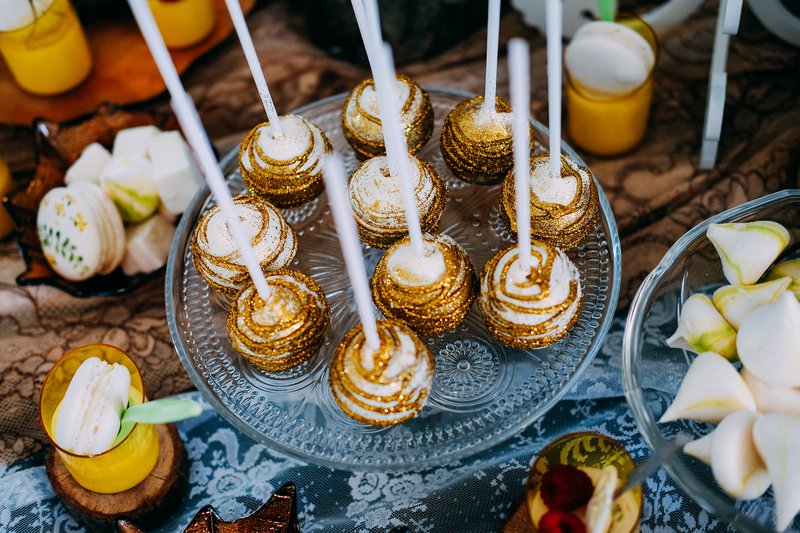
(176, 175)
(89, 165)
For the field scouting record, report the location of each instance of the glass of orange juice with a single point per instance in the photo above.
(608, 123)
(183, 22)
(44, 46)
(128, 462)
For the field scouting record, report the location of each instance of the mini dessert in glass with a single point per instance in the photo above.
(183, 23)
(44, 45)
(609, 68)
(572, 484)
(80, 410)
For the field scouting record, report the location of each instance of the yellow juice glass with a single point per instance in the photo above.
(49, 55)
(611, 126)
(129, 462)
(183, 22)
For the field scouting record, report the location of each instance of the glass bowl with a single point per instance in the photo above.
(483, 393)
(652, 372)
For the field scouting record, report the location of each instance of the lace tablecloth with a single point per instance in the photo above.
(236, 475)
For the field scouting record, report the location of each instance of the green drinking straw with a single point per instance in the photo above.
(606, 9)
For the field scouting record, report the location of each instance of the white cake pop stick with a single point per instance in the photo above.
(519, 77)
(492, 36)
(193, 129)
(554, 18)
(396, 147)
(249, 49)
(363, 28)
(336, 189)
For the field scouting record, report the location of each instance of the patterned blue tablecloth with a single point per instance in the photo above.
(236, 475)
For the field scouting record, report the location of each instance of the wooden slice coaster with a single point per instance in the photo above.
(148, 503)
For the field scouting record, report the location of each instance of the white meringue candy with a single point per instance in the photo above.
(701, 328)
(735, 302)
(147, 245)
(133, 141)
(772, 398)
(128, 180)
(790, 268)
(769, 342)
(700, 448)
(89, 166)
(777, 438)
(711, 390)
(175, 172)
(88, 418)
(737, 465)
(747, 249)
(599, 507)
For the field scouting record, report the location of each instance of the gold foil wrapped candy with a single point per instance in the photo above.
(530, 310)
(476, 149)
(286, 171)
(286, 330)
(383, 387)
(378, 205)
(432, 293)
(216, 255)
(563, 210)
(361, 123)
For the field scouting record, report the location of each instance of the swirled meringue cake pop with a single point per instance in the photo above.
(382, 371)
(563, 209)
(378, 205)
(284, 331)
(476, 140)
(279, 159)
(425, 281)
(361, 122)
(216, 255)
(530, 293)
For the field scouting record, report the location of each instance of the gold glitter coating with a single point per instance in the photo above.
(225, 272)
(531, 314)
(477, 150)
(427, 309)
(286, 183)
(381, 229)
(564, 226)
(285, 331)
(363, 130)
(387, 387)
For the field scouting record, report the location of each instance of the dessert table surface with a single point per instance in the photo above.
(656, 191)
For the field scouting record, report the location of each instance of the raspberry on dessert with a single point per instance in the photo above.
(565, 488)
(560, 522)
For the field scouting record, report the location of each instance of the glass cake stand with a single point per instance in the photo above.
(483, 392)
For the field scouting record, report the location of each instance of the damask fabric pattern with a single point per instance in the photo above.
(656, 191)
(235, 475)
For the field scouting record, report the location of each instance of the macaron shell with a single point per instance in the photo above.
(70, 234)
(111, 222)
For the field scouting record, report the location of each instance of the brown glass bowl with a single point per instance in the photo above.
(58, 145)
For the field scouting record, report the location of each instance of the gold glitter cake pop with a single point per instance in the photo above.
(361, 123)
(216, 256)
(563, 210)
(476, 146)
(432, 293)
(534, 309)
(288, 170)
(378, 206)
(286, 330)
(386, 386)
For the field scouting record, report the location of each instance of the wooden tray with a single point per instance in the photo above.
(124, 71)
